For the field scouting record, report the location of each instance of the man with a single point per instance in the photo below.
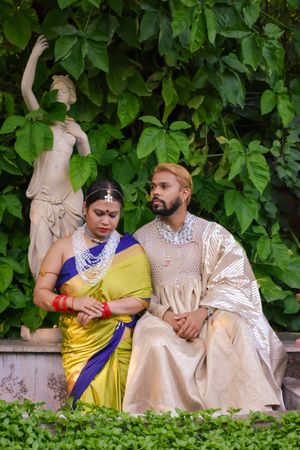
(205, 342)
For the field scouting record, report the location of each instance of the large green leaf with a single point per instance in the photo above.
(17, 29)
(74, 62)
(11, 123)
(182, 20)
(289, 275)
(285, 109)
(258, 170)
(146, 144)
(234, 90)
(149, 25)
(263, 247)
(182, 141)
(97, 54)
(128, 108)
(245, 208)
(167, 149)
(267, 101)
(80, 170)
(151, 120)
(33, 317)
(270, 290)
(6, 276)
(251, 51)
(170, 97)
(123, 170)
(63, 46)
(4, 301)
(13, 205)
(232, 61)
(237, 166)
(211, 25)
(251, 12)
(32, 139)
(198, 33)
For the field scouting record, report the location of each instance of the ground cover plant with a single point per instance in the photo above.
(28, 426)
(211, 84)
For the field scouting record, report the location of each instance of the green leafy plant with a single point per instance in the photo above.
(28, 426)
(212, 85)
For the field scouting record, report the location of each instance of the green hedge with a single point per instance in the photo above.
(28, 426)
(211, 84)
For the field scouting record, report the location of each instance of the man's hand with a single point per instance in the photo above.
(193, 323)
(169, 317)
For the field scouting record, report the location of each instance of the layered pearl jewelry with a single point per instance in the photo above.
(93, 268)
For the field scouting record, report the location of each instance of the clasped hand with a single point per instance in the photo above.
(88, 308)
(186, 325)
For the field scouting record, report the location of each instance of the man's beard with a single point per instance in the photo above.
(166, 211)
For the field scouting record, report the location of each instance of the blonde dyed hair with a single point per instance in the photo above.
(182, 175)
(64, 79)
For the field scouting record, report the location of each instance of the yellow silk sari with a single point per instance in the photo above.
(128, 276)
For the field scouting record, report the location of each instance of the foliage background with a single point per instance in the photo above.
(211, 84)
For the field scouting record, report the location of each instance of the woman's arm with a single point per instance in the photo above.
(43, 294)
(128, 305)
(29, 73)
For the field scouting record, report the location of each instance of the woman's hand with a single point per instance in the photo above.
(87, 305)
(83, 318)
(40, 46)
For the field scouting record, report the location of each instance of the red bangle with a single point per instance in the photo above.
(106, 312)
(56, 302)
(64, 303)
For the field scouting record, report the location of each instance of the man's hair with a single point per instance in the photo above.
(182, 175)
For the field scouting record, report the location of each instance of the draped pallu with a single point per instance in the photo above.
(237, 361)
(96, 356)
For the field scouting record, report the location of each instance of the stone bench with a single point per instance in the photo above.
(34, 371)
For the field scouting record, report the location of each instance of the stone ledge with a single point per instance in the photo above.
(20, 346)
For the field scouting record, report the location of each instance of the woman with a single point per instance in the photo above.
(56, 210)
(104, 281)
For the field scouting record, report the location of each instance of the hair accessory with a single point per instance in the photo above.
(108, 194)
(108, 198)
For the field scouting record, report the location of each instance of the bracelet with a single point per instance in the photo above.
(64, 303)
(56, 301)
(209, 312)
(106, 312)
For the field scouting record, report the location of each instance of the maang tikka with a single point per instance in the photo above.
(108, 198)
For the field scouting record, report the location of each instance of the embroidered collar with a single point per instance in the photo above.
(183, 236)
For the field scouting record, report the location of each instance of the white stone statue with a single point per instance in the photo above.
(56, 210)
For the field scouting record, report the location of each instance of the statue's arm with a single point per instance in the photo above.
(82, 142)
(29, 74)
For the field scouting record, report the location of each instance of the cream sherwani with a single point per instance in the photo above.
(237, 361)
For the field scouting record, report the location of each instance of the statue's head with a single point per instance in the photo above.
(66, 89)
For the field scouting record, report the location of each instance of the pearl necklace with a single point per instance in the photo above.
(93, 268)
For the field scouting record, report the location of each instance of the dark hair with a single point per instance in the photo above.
(99, 189)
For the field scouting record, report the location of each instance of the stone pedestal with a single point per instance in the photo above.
(32, 371)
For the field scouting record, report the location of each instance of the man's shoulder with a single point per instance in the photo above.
(144, 231)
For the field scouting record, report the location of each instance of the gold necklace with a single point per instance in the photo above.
(90, 235)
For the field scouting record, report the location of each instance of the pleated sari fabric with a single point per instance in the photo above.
(96, 356)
